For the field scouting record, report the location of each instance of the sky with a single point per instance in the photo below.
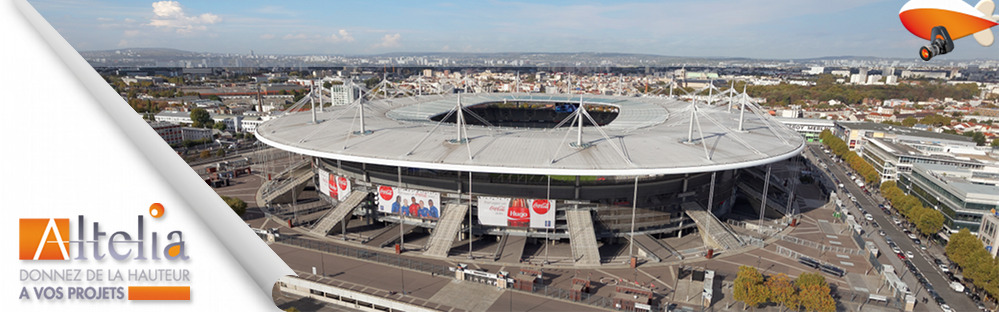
(765, 29)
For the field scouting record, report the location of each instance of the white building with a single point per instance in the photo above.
(232, 122)
(343, 94)
(988, 232)
(891, 80)
(250, 123)
(181, 118)
(189, 133)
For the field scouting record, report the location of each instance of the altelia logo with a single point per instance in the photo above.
(48, 239)
(44, 239)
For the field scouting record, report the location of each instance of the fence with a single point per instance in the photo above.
(842, 250)
(421, 266)
(390, 259)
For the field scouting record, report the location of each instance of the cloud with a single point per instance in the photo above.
(171, 15)
(104, 19)
(123, 43)
(298, 36)
(389, 41)
(267, 36)
(131, 33)
(344, 36)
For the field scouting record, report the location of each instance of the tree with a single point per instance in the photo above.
(782, 291)
(909, 121)
(961, 245)
(748, 287)
(238, 205)
(995, 143)
(220, 153)
(219, 125)
(930, 221)
(888, 185)
(200, 118)
(205, 154)
(817, 298)
(979, 138)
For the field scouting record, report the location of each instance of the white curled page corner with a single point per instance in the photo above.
(255, 257)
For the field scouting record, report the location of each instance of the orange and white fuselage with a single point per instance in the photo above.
(959, 17)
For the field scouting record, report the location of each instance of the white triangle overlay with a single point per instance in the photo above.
(258, 261)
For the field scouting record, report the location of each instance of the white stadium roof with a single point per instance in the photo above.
(648, 137)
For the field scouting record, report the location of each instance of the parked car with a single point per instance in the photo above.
(908, 254)
(957, 286)
(900, 256)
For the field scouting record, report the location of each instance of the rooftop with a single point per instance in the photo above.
(648, 137)
(902, 131)
(957, 179)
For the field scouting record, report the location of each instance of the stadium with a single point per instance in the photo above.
(515, 168)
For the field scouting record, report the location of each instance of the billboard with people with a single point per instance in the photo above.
(516, 212)
(333, 185)
(409, 202)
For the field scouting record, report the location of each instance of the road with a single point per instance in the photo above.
(922, 260)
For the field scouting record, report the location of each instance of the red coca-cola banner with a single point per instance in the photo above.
(516, 212)
(333, 185)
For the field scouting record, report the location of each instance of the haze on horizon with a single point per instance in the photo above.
(763, 29)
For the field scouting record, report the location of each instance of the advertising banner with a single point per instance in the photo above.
(324, 182)
(333, 185)
(516, 212)
(409, 202)
(339, 187)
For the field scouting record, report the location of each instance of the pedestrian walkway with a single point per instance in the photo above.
(712, 230)
(337, 214)
(446, 230)
(582, 238)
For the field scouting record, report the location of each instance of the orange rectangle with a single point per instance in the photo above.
(159, 292)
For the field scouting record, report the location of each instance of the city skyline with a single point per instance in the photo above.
(776, 29)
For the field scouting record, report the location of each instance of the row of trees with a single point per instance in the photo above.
(810, 291)
(838, 147)
(976, 263)
(927, 220)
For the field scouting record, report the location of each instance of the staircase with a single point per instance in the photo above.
(338, 213)
(285, 186)
(656, 250)
(714, 233)
(582, 239)
(446, 230)
(513, 249)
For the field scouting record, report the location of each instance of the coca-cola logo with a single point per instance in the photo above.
(540, 206)
(385, 192)
(341, 182)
